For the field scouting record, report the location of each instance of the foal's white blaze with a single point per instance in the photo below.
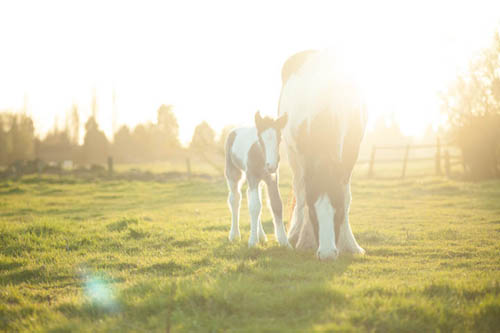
(270, 141)
(325, 214)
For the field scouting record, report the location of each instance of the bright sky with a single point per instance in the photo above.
(220, 61)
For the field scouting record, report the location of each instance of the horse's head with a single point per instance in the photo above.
(269, 134)
(329, 145)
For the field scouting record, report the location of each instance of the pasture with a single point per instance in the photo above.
(139, 256)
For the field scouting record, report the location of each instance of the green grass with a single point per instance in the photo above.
(145, 256)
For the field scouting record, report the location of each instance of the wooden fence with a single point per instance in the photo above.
(439, 157)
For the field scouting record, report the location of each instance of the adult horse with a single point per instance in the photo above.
(326, 122)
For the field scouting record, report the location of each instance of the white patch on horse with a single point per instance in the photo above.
(300, 197)
(326, 214)
(234, 202)
(245, 138)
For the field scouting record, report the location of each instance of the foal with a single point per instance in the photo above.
(255, 151)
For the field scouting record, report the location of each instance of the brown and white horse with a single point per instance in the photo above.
(255, 152)
(326, 123)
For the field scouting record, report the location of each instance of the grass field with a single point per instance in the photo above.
(145, 256)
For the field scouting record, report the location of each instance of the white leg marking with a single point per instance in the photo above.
(300, 199)
(347, 242)
(298, 213)
(262, 234)
(280, 234)
(234, 200)
(326, 213)
(254, 206)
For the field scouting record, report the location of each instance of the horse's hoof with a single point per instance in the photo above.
(327, 254)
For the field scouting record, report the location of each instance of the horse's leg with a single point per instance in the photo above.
(233, 177)
(277, 210)
(300, 198)
(325, 215)
(254, 206)
(346, 241)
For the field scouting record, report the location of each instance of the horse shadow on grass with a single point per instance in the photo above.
(264, 288)
(231, 288)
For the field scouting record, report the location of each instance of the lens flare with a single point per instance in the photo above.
(99, 291)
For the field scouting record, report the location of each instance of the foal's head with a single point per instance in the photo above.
(269, 134)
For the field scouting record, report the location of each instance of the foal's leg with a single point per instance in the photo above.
(254, 206)
(262, 233)
(277, 210)
(234, 199)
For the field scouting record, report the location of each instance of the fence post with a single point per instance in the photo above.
(463, 162)
(405, 161)
(39, 166)
(438, 157)
(188, 168)
(372, 161)
(110, 165)
(447, 163)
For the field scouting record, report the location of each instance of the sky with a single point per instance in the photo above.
(220, 61)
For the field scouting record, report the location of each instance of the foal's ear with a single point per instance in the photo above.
(258, 121)
(281, 121)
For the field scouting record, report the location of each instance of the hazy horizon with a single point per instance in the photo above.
(221, 61)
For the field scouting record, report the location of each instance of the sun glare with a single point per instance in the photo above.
(220, 62)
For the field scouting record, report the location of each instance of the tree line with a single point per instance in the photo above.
(472, 106)
(146, 142)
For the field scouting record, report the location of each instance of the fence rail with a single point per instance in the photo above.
(439, 158)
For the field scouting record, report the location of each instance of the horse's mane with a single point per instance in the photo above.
(294, 63)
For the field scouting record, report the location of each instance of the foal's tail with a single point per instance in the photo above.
(227, 149)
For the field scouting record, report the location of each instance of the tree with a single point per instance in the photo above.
(123, 145)
(56, 146)
(472, 105)
(203, 137)
(222, 138)
(143, 149)
(74, 125)
(168, 127)
(21, 135)
(204, 145)
(95, 143)
(4, 143)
